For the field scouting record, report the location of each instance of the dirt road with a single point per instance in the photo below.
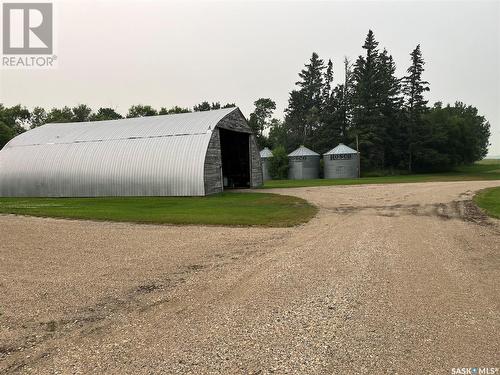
(399, 279)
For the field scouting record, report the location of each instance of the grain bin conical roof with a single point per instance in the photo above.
(341, 149)
(266, 153)
(303, 151)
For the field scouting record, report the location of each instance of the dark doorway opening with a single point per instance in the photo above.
(235, 154)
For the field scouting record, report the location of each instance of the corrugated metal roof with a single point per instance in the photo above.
(139, 167)
(341, 149)
(266, 153)
(303, 151)
(157, 155)
(132, 128)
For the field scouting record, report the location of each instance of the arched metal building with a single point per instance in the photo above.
(265, 155)
(341, 162)
(185, 154)
(303, 164)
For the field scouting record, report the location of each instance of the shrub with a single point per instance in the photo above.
(278, 164)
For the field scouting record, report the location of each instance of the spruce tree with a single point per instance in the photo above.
(327, 130)
(302, 117)
(311, 83)
(391, 102)
(327, 85)
(330, 131)
(344, 93)
(336, 112)
(414, 88)
(367, 117)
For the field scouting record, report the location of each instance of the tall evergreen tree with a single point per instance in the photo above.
(327, 85)
(328, 130)
(391, 101)
(367, 117)
(311, 83)
(302, 117)
(344, 95)
(414, 88)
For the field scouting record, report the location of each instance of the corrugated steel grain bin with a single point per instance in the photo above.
(184, 154)
(303, 164)
(265, 155)
(341, 162)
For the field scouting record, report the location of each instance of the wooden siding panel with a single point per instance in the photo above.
(213, 165)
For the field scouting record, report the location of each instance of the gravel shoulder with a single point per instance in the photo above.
(399, 278)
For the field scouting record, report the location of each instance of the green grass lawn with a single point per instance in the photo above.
(489, 201)
(489, 161)
(234, 209)
(484, 170)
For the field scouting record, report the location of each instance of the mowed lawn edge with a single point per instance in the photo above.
(225, 209)
(489, 201)
(484, 170)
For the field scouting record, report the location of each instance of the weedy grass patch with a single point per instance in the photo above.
(232, 209)
(489, 201)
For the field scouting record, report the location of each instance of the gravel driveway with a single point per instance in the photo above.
(399, 279)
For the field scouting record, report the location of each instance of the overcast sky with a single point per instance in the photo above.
(119, 53)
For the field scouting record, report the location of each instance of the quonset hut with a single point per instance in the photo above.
(341, 162)
(187, 154)
(303, 164)
(265, 155)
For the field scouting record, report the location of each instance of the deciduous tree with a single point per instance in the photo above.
(140, 110)
(172, 110)
(103, 114)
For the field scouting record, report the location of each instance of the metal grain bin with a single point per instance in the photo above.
(303, 164)
(341, 162)
(265, 155)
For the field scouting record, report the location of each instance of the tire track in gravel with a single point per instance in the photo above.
(386, 279)
(42, 338)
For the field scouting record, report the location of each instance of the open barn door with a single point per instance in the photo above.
(235, 154)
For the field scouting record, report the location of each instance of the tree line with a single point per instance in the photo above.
(387, 116)
(17, 119)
